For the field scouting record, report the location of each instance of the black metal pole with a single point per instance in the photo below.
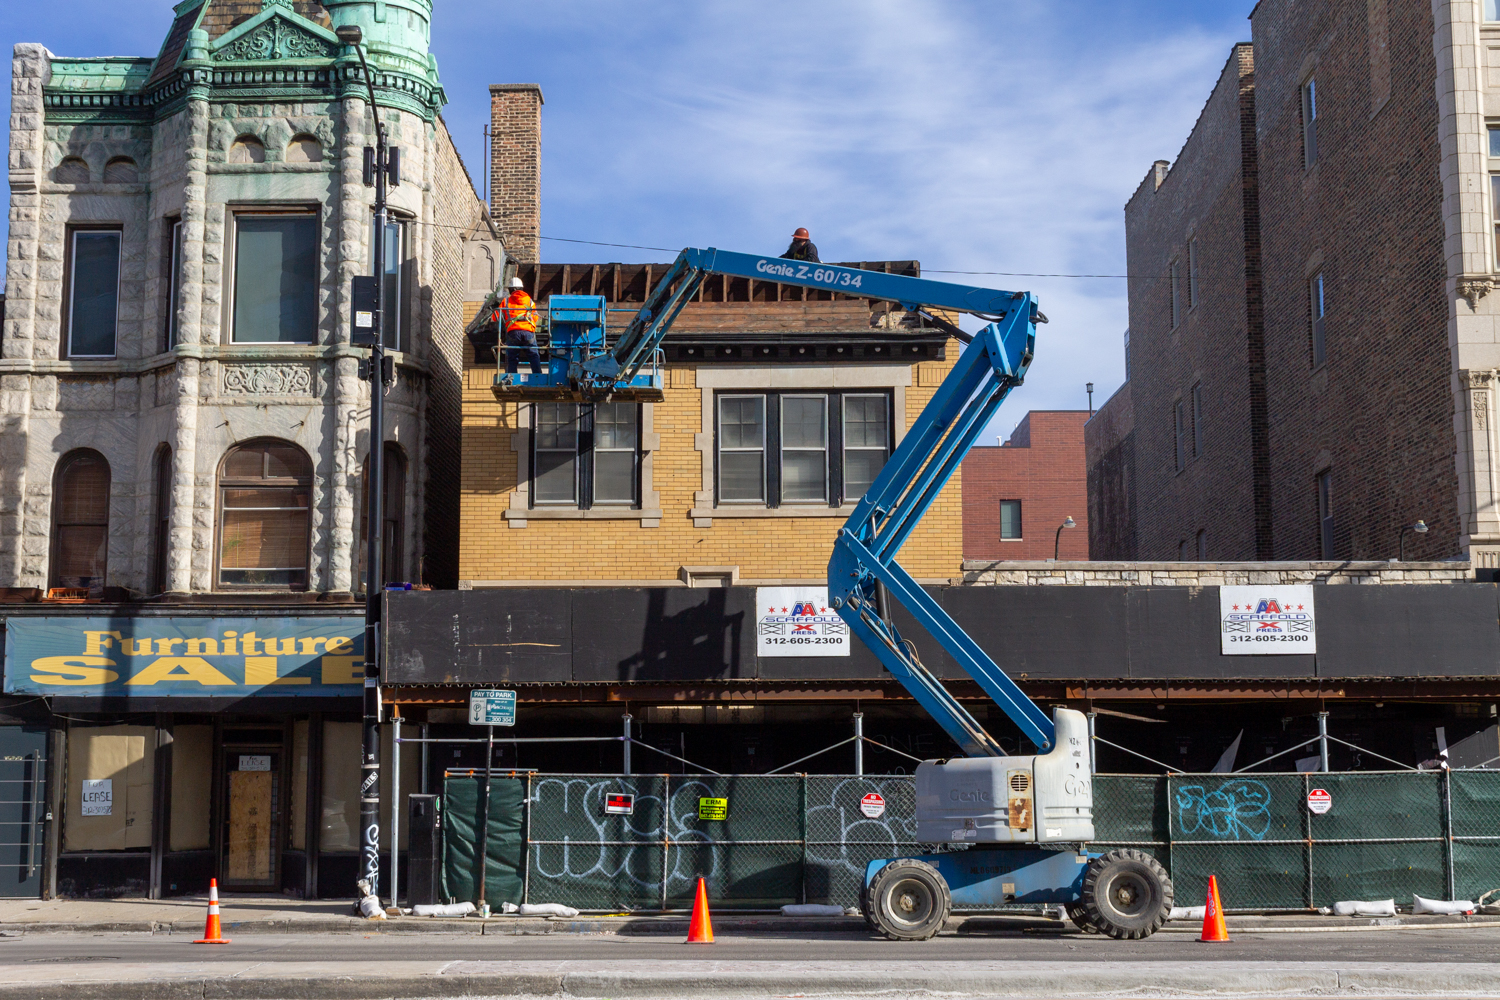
(369, 788)
(482, 819)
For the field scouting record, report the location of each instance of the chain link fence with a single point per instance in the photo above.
(765, 840)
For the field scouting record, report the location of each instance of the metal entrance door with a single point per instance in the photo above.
(23, 811)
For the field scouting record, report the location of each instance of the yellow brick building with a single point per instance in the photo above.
(776, 359)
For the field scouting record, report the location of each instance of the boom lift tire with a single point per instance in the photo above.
(1079, 914)
(864, 908)
(908, 901)
(1127, 894)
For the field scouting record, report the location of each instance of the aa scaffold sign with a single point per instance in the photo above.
(798, 621)
(1270, 620)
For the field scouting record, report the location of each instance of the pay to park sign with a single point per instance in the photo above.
(181, 657)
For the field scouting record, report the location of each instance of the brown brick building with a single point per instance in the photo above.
(1292, 382)
(1017, 495)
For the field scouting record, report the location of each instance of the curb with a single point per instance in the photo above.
(1201, 979)
(724, 923)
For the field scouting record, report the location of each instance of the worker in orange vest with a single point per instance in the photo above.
(518, 320)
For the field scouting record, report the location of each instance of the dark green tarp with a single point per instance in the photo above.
(502, 873)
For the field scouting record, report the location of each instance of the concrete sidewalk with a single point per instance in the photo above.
(251, 914)
(256, 980)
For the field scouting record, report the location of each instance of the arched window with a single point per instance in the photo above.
(72, 170)
(392, 518)
(121, 170)
(247, 149)
(265, 516)
(80, 521)
(161, 518)
(303, 149)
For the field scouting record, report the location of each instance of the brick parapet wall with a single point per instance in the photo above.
(980, 573)
(516, 167)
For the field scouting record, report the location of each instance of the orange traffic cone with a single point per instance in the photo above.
(701, 930)
(211, 933)
(1213, 915)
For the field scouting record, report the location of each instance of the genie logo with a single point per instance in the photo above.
(973, 796)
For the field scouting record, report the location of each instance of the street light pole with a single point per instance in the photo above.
(1068, 522)
(1420, 527)
(369, 785)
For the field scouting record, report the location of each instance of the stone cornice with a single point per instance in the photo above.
(227, 353)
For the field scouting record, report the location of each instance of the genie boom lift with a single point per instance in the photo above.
(1004, 829)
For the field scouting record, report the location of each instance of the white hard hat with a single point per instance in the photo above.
(516, 283)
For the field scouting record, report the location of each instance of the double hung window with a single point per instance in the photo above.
(1010, 520)
(1310, 122)
(779, 448)
(276, 270)
(80, 521)
(1317, 306)
(585, 455)
(265, 516)
(173, 261)
(93, 292)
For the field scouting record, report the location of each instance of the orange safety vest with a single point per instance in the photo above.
(518, 312)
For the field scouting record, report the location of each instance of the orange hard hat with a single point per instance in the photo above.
(801, 234)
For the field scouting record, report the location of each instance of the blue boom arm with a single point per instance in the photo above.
(863, 573)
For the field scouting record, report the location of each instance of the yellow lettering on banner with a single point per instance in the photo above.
(310, 646)
(164, 646)
(136, 647)
(339, 644)
(97, 644)
(343, 669)
(203, 647)
(280, 647)
(181, 668)
(74, 670)
(260, 671)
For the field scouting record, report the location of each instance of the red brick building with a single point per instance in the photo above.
(1018, 494)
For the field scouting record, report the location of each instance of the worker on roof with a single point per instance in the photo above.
(802, 248)
(518, 320)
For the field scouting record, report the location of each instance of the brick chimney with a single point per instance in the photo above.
(516, 167)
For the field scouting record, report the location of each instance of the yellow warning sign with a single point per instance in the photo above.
(713, 809)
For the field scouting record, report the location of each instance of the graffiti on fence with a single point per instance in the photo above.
(1234, 810)
(840, 836)
(578, 803)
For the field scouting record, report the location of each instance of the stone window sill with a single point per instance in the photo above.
(648, 518)
(703, 516)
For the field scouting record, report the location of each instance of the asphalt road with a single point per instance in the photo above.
(1476, 945)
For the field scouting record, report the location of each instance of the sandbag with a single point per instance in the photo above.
(1186, 913)
(545, 910)
(443, 909)
(811, 910)
(369, 907)
(1365, 908)
(1421, 905)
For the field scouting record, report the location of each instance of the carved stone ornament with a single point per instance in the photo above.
(1474, 289)
(277, 38)
(267, 380)
(1476, 378)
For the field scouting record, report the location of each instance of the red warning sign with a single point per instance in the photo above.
(1319, 801)
(619, 804)
(873, 805)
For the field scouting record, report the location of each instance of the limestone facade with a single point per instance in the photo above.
(270, 114)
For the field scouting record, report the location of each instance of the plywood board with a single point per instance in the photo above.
(249, 856)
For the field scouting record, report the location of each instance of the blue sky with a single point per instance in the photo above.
(972, 135)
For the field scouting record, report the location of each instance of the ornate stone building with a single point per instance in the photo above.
(182, 409)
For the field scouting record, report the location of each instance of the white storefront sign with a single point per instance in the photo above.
(1270, 619)
(798, 621)
(98, 797)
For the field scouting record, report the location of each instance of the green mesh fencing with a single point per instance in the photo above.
(503, 879)
(761, 841)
